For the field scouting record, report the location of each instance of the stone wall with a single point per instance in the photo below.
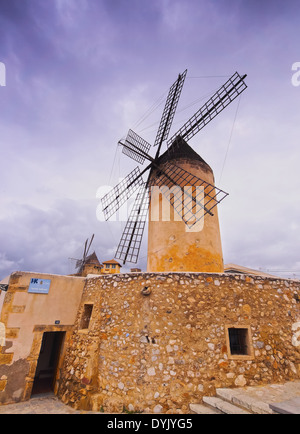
(160, 341)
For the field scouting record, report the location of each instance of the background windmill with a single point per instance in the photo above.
(80, 263)
(163, 172)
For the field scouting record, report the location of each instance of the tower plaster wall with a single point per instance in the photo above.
(172, 246)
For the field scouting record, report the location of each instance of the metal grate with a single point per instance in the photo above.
(169, 110)
(189, 205)
(221, 99)
(112, 201)
(131, 240)
(135, 147)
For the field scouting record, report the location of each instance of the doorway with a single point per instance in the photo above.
(47, 364)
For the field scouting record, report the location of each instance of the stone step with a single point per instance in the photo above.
(223, 406)
(268, 399)
(291, 406)
(237, 397)
(203, 409)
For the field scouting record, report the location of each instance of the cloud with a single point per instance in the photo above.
(6, 265)
(44, 240)
(80, 74)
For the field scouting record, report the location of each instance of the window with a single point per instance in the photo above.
(239, 343)
(106, 265)
(86, 316)
(113, 266)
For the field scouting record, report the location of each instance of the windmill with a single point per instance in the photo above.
(80, 263)
(164, 173)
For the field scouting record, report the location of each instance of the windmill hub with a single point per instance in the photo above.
(187, 236)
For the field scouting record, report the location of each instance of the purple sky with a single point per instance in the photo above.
(80, 73)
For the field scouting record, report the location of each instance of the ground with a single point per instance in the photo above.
(49, 404)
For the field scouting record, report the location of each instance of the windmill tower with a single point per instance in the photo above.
(175, 244)
(179, 190)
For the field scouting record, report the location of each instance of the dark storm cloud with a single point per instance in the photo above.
(34, 239)
(80, 73)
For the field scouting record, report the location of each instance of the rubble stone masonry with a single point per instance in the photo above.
(160, 341)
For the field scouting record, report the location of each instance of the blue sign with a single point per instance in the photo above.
(39, 286)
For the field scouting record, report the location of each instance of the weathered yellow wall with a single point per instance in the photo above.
(172, 248)
(92, 269)
(158, 341)
(26, 317)
(110, 270)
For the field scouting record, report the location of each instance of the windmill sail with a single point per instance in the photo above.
(169, 110)
(88, 249)
(221, 99)
(130, 243)
(81, 262)
(135, 147)
(113, 200)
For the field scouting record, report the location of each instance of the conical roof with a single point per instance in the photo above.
(181, 150)
(92, 259)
